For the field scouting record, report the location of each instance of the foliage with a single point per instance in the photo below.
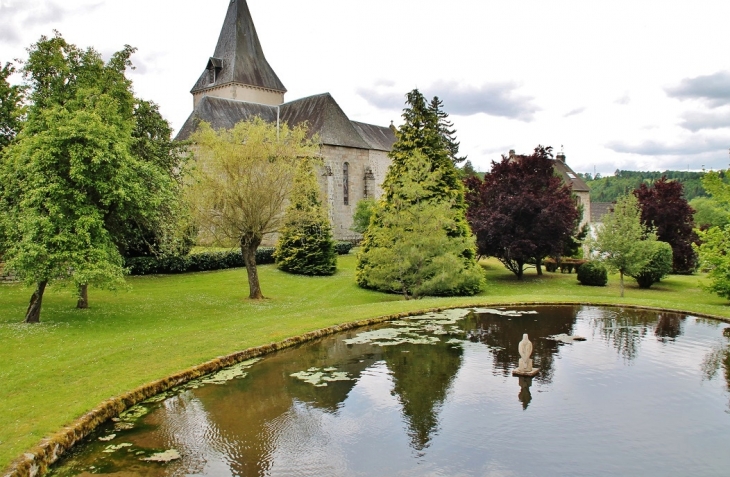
(709, 213)
(522, 212)
(659, 266)
(305, 243)
(411, 250)
(610, 188)
(664, 207)
(714, 253)
(343, 248)
(168, 229)
(70, 175)
(196, 262)
(242, 181)
(446, 130)
(11, 106)
(422, 179)
(363, 212)
(467, 170)
(593, 273)
(623, 241)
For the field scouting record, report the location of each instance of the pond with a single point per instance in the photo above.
(646, 393)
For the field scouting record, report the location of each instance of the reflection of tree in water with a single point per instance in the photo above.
(502, 334)
(669, 326)
(422, 375)
(717, 358)
(625, 328)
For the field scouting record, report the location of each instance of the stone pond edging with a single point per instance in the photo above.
(35, 462)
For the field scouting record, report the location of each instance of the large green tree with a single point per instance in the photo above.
(411, 250)
(623, 241)
(714, 251)
(305, 243)
(243, 178)
(70, 174)
(420, 149)
(11, 106)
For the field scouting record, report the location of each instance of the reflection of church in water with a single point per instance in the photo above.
(238, 84)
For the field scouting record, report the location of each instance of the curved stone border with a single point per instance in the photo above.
(37, 460)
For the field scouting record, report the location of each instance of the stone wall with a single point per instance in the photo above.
(6, 277)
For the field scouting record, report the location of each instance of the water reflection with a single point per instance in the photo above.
(422, 376)
(503, 334)
(525, 396)
(449, 407)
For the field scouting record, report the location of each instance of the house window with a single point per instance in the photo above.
(346, 183)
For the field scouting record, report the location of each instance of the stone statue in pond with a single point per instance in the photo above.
(525, 368)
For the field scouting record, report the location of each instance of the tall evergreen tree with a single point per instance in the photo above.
(446, 130)
(438, 186)
(305, 243)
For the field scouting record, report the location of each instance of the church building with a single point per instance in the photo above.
(238, 84)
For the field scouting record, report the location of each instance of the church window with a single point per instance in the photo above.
(346, 183)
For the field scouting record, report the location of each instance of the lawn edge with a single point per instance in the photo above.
(36, 461)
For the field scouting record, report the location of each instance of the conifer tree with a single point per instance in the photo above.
(439, 185)
(447, 131)
(410, 249)
(305, 243)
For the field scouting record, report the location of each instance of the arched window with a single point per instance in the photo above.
(346, 183)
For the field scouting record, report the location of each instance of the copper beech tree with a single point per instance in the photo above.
(522, 211)
(242, 181)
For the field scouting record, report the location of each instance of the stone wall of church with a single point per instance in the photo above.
(364, 172)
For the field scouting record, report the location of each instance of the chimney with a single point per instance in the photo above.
(561, 157)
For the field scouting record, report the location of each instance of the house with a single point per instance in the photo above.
(238, 83)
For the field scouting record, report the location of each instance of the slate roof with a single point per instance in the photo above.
(570, 177)
(238, 56)
(599, 209)
(321, 112)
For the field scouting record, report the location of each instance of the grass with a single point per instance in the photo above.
(52, 373)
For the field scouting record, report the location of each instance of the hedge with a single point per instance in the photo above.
(206, 261)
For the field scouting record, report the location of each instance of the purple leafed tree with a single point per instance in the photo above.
(663, 206)
(522, 212)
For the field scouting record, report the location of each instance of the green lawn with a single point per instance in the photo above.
(52, 373)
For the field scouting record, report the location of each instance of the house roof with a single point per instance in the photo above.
(570, 177)
(238, 56)
(321, 113)
(599, 209)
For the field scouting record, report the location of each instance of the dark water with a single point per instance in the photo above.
(645, 394)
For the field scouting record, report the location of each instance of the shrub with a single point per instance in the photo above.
(658, 267)
(593, 274)
(198, 262)
(306, 248)
(343, 248)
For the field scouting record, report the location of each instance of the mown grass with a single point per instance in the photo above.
(52, 373)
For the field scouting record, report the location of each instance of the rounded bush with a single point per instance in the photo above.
(658, 267)
(593, 274)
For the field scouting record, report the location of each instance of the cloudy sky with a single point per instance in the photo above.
(636, 84)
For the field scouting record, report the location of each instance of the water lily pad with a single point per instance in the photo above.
(114, 448)
(566, 338)
(232, 372)
(108, 438)
(133, 413)
(123, 426)
(167, 456)
(320, 377)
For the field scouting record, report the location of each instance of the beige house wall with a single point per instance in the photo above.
(584, 199)
(241, 92)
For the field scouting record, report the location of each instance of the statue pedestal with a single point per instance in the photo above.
(524, 373)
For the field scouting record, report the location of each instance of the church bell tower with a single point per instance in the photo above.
(238, 68)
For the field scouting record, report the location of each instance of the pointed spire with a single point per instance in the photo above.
(238, 57)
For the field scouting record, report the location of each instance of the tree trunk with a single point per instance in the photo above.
(621, 274)
(33, 315)
(248, 250)
(538, 266)
(83, 302)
